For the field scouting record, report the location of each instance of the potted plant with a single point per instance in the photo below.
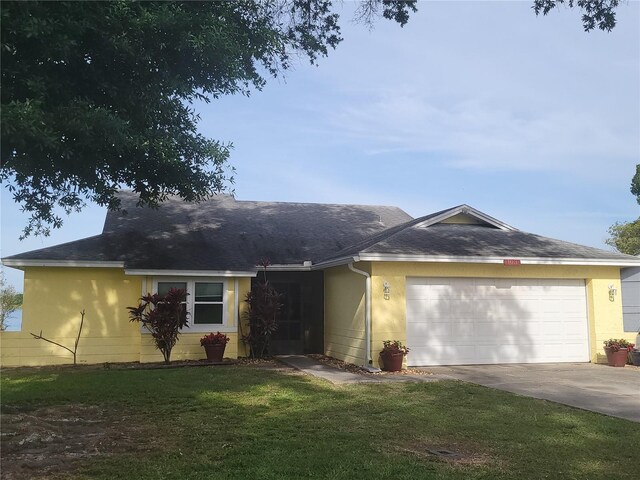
(392, 355)
(617, 351)
(214, 344)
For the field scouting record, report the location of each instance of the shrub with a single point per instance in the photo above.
(264, 304)
(164, 316)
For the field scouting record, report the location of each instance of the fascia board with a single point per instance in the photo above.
(188, 273)
(335, 263)
(18, 263)
(498, 260)
(286, 268)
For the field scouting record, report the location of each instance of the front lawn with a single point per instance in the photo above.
(243, 422)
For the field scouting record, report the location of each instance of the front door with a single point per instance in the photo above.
(289, 338)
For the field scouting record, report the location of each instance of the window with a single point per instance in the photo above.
(207, 305)
(206, 302)
(164, 287)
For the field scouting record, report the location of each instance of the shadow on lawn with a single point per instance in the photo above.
(246, 422)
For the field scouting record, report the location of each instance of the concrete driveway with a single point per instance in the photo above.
(599, 388)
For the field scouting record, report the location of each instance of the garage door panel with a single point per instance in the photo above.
(466, 321)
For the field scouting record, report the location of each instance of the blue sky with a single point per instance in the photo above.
(526, 118)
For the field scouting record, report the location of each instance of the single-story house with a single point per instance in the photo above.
(457, 286)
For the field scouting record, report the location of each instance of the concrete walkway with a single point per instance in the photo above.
(599, 388)
(336, 376)
(313, 367)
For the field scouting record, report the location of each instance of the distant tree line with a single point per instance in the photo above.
(625, 236)
(10, 301)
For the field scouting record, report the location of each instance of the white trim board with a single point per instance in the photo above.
(17, 263)
(377, 257)
(372, 257)
(188, 273)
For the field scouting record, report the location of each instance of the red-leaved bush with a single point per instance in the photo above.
(264, 304)
(164, 316)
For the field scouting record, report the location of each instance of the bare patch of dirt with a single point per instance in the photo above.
(258, 362)
(50, 441)
(268, 364)
(452, 453)
(350, 367)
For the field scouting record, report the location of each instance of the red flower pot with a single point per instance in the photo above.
(215, 353)
(616, 359)
(391, 362)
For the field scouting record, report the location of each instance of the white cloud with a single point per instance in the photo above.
(496, 89)
(482, 134)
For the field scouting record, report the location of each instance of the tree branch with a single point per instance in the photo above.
(75, 346)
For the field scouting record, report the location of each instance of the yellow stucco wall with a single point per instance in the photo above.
(344, 314)
(53, 298)
(389, 316)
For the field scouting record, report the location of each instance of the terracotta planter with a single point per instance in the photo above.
(616, 359)
(215, 353)
(391, 362)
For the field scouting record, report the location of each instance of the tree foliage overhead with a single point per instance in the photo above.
(600, 13)
(97, 96)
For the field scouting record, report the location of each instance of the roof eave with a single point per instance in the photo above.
(286, 267)
(336, 262)
(21, 263)
(605, 262)
(188, 273)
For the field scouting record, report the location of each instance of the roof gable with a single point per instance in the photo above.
(463, 233)
(464, 215)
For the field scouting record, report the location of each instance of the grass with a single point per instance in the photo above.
(243, 422)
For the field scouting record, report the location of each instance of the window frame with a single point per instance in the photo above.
(223, 327)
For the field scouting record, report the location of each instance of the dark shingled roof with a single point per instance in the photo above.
(223, 234)
(459, 240)
(226, 234)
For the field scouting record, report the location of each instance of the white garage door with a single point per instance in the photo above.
(458, 321)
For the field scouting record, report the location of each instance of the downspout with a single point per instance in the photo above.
(367, 318)
(236, 303)
(236, 313)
